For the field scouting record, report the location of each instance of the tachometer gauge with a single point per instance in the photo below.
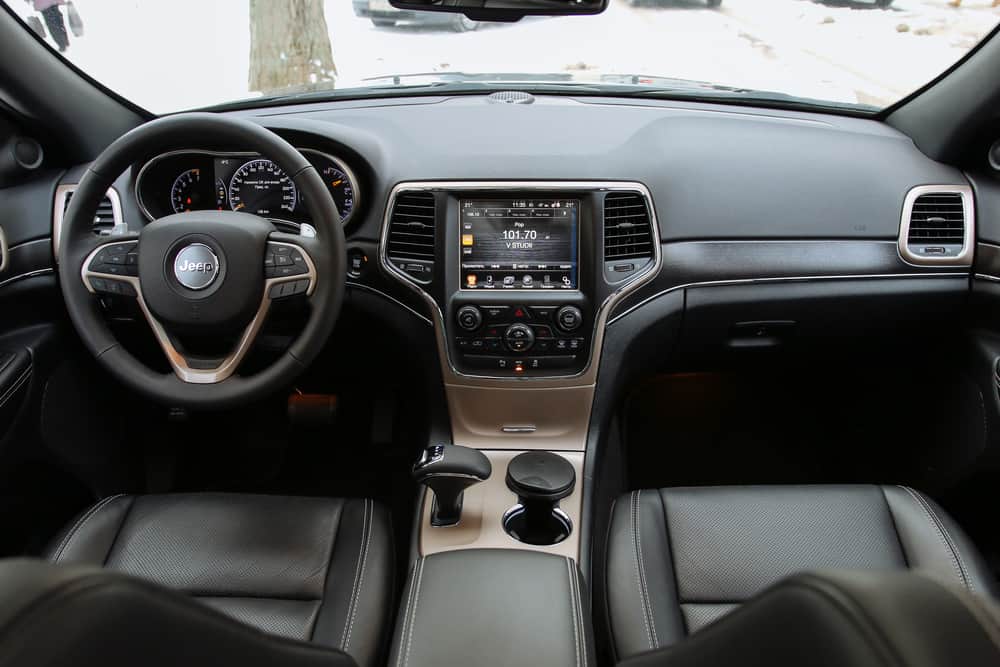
(261, 187)
(341, 188)
(186, 193)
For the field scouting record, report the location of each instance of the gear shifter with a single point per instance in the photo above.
(448, 470)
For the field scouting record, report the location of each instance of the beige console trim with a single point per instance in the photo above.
(483, 507)
(520, 418)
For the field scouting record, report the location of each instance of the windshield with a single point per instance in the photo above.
(170, 55)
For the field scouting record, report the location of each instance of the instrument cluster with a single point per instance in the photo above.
(196, 180)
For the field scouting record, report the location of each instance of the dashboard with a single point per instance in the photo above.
(192, 180)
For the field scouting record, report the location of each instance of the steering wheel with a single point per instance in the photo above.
(208, 276)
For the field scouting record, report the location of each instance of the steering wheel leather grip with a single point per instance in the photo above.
(246, 238)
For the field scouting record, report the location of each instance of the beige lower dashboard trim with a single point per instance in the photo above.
(484, 506)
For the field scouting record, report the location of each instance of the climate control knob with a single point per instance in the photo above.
(519, 337)
(469, 318)
(569, 318)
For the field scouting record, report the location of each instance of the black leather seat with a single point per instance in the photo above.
(679, 559)
(316, 569)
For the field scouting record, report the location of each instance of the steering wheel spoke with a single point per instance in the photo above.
(289, 269)
(112, 268)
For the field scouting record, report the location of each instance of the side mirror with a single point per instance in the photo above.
(504, 10)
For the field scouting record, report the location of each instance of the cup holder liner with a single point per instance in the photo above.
(537, 528)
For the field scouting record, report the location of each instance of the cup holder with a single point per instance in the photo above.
(540, 480)
(543, 526)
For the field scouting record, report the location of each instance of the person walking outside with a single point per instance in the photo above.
(49, 9)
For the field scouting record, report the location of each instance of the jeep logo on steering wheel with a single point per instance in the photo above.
(196, 266)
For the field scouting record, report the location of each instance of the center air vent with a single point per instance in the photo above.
(937, 225)
(628, 235)
(104, 220)
(411, 235)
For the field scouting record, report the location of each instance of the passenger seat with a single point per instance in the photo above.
(679, 559)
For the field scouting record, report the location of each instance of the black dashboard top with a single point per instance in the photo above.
(715, 172)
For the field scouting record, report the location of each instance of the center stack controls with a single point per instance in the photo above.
(520, 340)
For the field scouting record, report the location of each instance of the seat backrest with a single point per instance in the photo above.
(57, 616)
(846, 619)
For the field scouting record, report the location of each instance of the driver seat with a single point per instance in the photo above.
(313, 569)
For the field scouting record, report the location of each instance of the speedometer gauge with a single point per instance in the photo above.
(261, 187)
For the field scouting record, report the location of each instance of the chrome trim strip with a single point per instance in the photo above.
(25, 276)
(799, 279)
(390, 298)
(46, 239)
(589, 374)
(3, 250)
(177, 361)
(339, 163)
(59, 211)
(964, 257)
(986, 276)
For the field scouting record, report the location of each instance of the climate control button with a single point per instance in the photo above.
(569, 318)
(469, 318)
(519, 337)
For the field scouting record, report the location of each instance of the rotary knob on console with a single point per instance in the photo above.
(469, 318)
(569, 318)
(519, 337)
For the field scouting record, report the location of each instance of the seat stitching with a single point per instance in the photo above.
(967, 580)
(937, 527)
(413, 620)
(363, 561)
(579, 605)
(572, 602)
(79, 524)
(18, 383)
(406, 614)
(638, 577)
(895, 526)
(647, 609)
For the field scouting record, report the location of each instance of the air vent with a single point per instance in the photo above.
(937, 225)
(411, 234)
(628, 235)
(104, 219)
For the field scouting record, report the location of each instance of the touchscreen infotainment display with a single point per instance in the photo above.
(519, 244)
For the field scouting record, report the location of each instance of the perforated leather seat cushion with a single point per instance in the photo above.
(679, 559)
(318, 569)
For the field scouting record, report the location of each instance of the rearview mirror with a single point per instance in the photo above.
(504, 10)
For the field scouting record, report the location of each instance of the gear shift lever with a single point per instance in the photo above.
(449, 470)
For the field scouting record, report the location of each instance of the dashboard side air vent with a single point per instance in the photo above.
(410, 243)
(937, 226)
(106, 217)
(628, 235)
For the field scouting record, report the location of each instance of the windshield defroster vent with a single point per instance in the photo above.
(510, 97)
(937, 225)
(412, 233)
(628, 235)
